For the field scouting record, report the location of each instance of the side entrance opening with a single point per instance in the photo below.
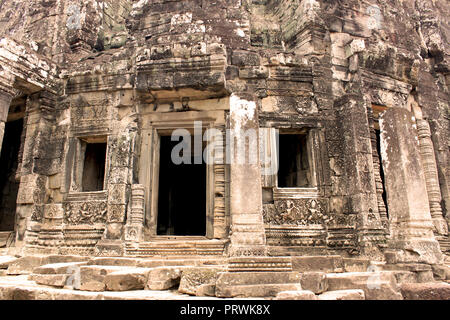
(181, 194)
(9, 161)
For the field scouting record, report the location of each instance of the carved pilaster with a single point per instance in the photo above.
(411, 227)
(220, 187)
(431, 177)
(247, 233)
(135, 221)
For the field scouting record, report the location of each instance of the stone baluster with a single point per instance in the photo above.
(431, 177)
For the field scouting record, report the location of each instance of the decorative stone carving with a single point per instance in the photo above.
(87, 115)
(135, 221)
(220, 202)
(299, 212)
(116, 213)
(37, 213)
(88, 212)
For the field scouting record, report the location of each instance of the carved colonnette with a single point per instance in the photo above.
(431, 177)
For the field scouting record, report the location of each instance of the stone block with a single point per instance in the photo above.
(376, 285)
(58, 268)
(163, 278)
(256, 284)
(206, 290)
(356, 294)
(318, 264)
(193, 278)
(296, 295)
(114, 261)
(425, 276)
(440, 272)
(127, 280)
(256, 290)
(24, 265)
(405, 277)
(314, 281)
(92, 277)
(426, 291)
(53, 280)
(5, 261)
(356, 265)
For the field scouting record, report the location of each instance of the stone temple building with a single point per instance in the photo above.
(349, 101)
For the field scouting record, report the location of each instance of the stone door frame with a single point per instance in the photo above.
(149, 169)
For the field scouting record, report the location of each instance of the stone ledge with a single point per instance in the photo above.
(426, 291)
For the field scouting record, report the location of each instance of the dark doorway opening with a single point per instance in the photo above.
(294, 168)
(378, 133)
(9, 161)
(94, 167)
(182, 194)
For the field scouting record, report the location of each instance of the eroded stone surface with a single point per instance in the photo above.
(314, 281)
(296, 295)
(193, 280)
(426, 291)
(363, 86)
(163, 278)
(127, 280)
(356, 294)
(256, 284)
(376, 285)
(92, 278)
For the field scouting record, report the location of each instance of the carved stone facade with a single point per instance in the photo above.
(99, 97)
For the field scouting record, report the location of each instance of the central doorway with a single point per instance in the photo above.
(181, 194)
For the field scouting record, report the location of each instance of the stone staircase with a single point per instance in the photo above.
(444, 242)
(198, 277)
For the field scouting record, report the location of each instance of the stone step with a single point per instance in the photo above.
(252, 264)
(200, 281)
(127, 280)
(155, 262)
(318, 264)
(6, 261)
(256, 284)
(296, 295)
(444, 243)
(426, 291)
(92, 278)
(381, 285)
(355, 294)
(333, 264)
(59, 268)
(26, 265)
(20, 288)
(421, 272)
(51, 280)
